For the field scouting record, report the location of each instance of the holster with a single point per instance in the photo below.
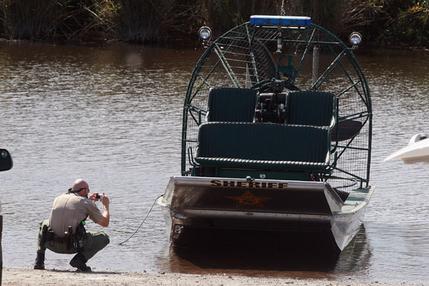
(78, 237)
(47, 235)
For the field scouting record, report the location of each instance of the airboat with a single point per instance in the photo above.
(276, 133)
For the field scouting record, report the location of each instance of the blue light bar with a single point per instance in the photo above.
(280, 21)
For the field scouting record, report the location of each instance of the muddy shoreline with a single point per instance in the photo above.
(22, 277)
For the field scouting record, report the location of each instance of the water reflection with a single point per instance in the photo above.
(356, 257)
(262, 253)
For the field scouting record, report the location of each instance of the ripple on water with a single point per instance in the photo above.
(113, 116)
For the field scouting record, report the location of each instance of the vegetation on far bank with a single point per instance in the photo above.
(382, 22)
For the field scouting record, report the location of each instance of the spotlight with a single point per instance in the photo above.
(355, 38)
(205, 33)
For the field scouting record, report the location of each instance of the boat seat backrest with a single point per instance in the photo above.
(315, 108)
(263, 141)
(231, 104)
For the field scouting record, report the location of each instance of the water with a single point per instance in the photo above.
(112, 115)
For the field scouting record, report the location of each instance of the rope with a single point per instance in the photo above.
(141, 224)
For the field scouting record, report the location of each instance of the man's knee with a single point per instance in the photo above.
(98, 240)
(104, 239)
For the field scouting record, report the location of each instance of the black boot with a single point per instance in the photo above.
(40, 260)
(79, 262)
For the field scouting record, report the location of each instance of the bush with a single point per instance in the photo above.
(55, 19)
(413, 24)
(382, 22)
(30, 19)
(159, 21)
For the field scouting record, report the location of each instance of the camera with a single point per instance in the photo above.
(99, 196)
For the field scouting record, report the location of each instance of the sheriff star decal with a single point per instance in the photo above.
(249, 200)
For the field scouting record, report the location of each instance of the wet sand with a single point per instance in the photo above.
(23, 277)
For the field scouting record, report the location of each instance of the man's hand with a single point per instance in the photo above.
(106, 214)
(100, 197)
(93, 196)
(105, 201)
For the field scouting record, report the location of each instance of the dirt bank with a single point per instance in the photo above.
(22, 277)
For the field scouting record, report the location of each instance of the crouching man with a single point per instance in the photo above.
(64, 232)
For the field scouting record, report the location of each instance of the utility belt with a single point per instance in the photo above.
(73, 241)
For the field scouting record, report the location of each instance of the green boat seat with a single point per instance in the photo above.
(315, 108)
(266, 146)
(231, 104)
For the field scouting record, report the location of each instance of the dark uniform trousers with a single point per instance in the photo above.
(91, 243)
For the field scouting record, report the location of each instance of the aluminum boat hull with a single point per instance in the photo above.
(272, 205)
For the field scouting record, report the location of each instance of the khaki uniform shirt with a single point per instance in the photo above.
(69, 210)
